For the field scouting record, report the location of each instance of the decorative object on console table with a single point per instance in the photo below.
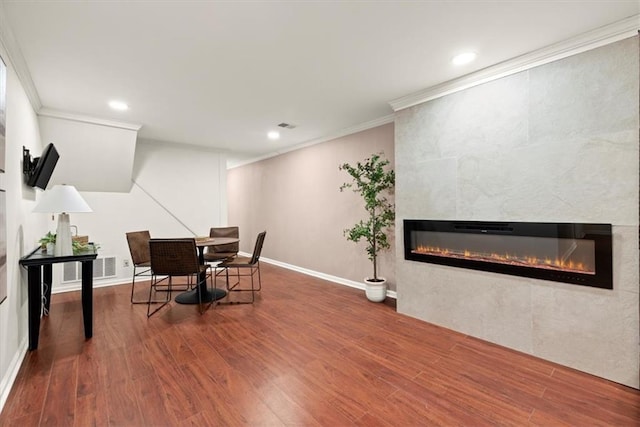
(62, 199)
(48, 242)
(79, 242)
(372, 182)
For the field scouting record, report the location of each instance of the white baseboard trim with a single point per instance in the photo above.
(69, 287)
(319, 275)
(10, 377)
(77, 286)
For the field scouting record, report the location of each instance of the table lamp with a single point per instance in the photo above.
(62, 199)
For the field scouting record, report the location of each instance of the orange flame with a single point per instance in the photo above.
(524, 261)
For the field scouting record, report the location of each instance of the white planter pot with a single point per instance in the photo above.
(376, 291)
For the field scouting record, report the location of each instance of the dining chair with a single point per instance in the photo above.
(222, 252)
(251, 267)
(141, 259)
(139, 248)
(175, 257)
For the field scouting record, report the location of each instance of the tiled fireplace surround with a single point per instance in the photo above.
(556, 143)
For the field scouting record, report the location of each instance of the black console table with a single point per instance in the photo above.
(39, 267)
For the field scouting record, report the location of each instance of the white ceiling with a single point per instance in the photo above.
(221, 73)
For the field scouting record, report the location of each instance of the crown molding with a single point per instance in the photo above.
(338, 134)
(15, 57)
(47, 112)
(342, 132)
(607, 34)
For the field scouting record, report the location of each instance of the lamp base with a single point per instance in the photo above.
(63, 236)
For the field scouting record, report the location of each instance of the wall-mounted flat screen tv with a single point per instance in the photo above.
(41, 168)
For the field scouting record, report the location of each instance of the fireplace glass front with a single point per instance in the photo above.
(565, 252)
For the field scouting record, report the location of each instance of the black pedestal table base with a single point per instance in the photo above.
(191, 297)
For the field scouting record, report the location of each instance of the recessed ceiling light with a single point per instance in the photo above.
(464, 58)
(273, 135)
(118, 105)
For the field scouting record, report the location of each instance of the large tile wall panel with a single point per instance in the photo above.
(555, 143)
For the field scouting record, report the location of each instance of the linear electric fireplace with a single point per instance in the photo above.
(563, 252)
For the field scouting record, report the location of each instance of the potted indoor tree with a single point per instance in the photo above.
(373, 182)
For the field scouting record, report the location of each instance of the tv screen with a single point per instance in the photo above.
(41, 173)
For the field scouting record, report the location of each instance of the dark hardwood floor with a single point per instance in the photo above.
(307, 353)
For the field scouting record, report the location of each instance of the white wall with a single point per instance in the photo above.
(556, 143)
(178, 190)
(89, 152)
(23, 228)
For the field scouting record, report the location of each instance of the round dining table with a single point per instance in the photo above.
(206, 295)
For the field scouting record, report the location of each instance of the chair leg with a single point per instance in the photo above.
(253, 286)
(154, 283)
(259, 278)
(133, 284)
(198, 280)
(180, 287)
(253, 294)
(215, 283)
(253, 290)
(230, 287)
(215, 286)
(226, 275)
(133, 287)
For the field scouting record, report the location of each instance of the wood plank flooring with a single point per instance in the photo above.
(307, 353)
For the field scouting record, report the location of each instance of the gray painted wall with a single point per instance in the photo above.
(295, 197)
(556, 143)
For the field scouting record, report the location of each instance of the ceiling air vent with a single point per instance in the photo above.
(286, 125)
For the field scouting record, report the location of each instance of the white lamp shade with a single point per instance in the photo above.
(62, 198)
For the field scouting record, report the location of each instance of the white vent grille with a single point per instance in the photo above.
(102, 268)
(110, 267)
(69, 273)
(287, 125)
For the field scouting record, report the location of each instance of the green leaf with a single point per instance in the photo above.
(373, 182)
